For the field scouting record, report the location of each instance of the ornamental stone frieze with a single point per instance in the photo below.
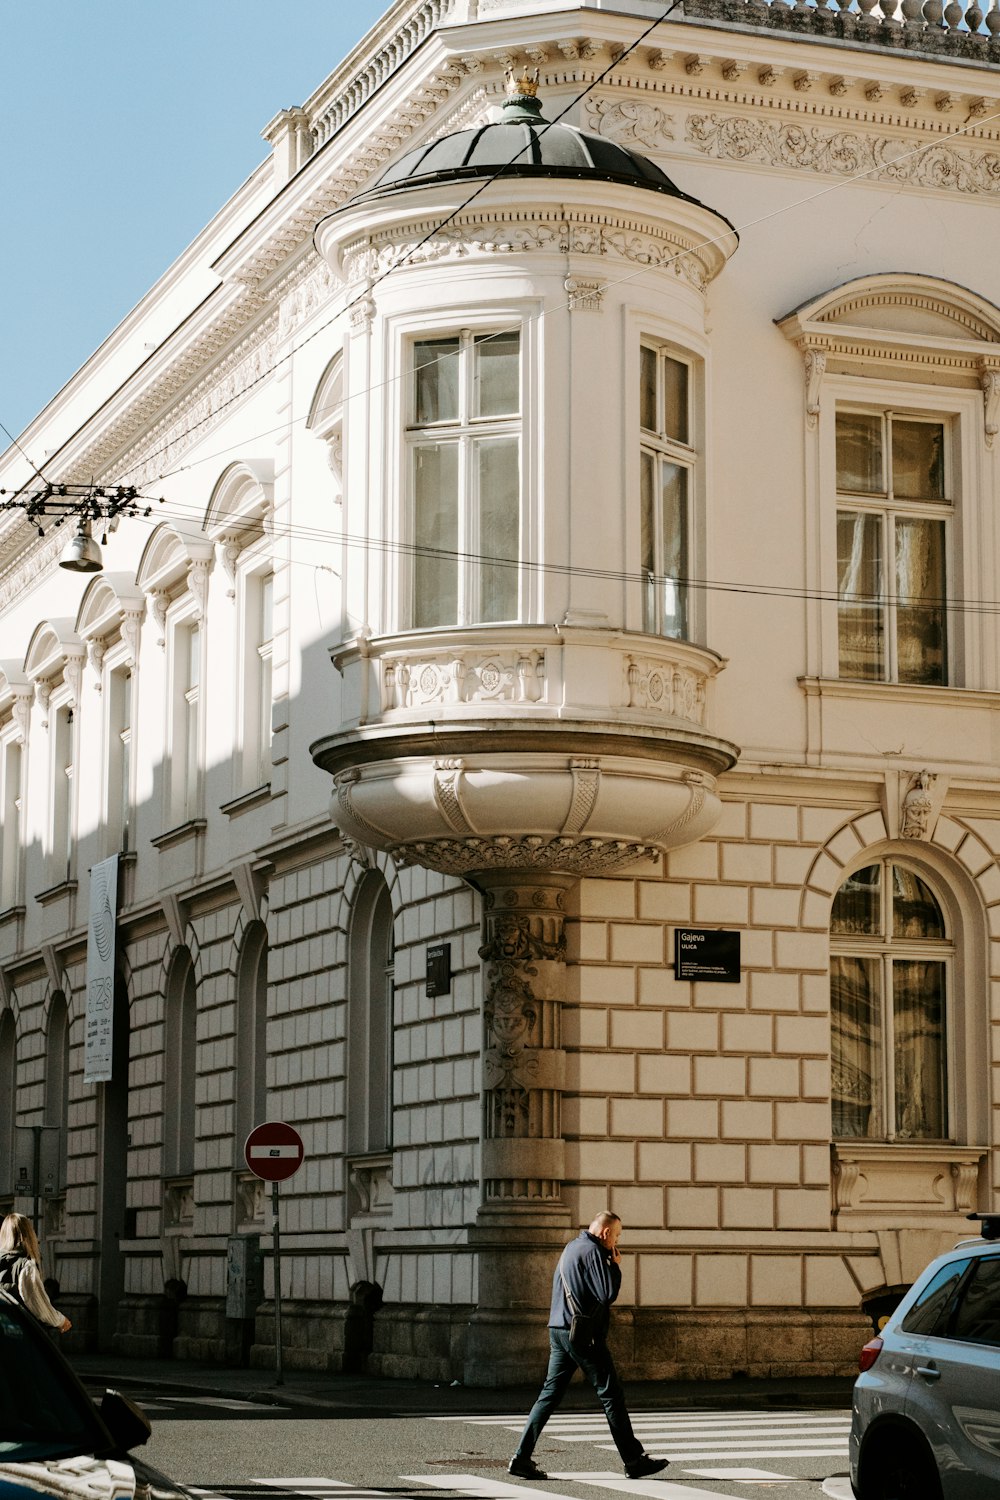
(591, 232)
(843, 153)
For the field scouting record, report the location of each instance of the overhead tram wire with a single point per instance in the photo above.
(564, 306)
(481, 188)
(616, 62)
(972, 607)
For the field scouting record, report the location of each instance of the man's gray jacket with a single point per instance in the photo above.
(593, 1278)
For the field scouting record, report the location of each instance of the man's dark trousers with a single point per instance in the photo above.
(599, 1369)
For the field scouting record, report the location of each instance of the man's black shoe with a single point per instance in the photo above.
(645, 1466)
(525, 1468)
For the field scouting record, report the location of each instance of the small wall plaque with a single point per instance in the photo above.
(710, 954)
(438, 969)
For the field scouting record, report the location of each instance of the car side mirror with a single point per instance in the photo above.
(127, 1423)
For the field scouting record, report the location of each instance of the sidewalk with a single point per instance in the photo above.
(340, 1395)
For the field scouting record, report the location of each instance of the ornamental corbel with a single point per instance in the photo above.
(160, 603)
(989, 380)
(96, 653)
(874, 90)
(229, 545)
(767, 76)
(693, 65)
(198, 585)
(362, 314)
(585, 296)
(732, 70)
(803, 82)
(43, 692)
(815, 369)
(21, 712)
(131, 627)
(73, 677)
(658, 59)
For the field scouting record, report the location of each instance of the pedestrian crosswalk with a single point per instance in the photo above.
(161, 1405)
(711, 1444)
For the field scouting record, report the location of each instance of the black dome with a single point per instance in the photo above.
(521, 144)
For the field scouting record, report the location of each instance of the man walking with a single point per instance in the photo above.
(586, 1282)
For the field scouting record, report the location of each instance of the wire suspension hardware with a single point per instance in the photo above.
(88, 504)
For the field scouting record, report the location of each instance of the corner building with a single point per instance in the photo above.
(579, 477)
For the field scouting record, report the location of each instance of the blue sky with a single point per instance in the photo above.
(125, 125)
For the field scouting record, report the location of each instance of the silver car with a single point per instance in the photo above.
(926, 1408)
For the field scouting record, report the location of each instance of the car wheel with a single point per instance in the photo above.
(900, 1468)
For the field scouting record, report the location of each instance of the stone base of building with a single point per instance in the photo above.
(504, 1347)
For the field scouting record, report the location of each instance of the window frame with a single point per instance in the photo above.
(186, 716)
(400, 337)
(12, 810)
(886, 949)
(255, 697)
(890, 509)
(968, 574)
(646, 329)
(666, 450)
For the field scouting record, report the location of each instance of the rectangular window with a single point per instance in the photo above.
(119, 799)
(259, 692)
(893, 534)
(465, 478)
(185, 757)
(666, 477)
(63, 806)
(10, 844)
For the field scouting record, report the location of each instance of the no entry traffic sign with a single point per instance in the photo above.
(274, 1151)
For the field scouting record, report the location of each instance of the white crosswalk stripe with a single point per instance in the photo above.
(476, 1488)
(699, 1437)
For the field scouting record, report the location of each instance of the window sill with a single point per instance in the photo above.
(11, 914)
(189, 830)
(908, 692)
(56, 892)
(878, 1184)
(246, 800)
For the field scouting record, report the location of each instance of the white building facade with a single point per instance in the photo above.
(567, 543)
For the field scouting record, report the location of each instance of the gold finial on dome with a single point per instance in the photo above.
(523, 87)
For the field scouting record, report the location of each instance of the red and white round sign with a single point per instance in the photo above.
(274, 1151)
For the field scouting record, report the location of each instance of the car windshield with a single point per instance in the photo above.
(43, 1412)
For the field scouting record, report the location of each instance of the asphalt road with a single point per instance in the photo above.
(254, 1449)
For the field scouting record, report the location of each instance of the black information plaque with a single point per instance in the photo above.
(438, 969)
(707, 953)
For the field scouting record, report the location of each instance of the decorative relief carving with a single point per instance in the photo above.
(369, 1187)
(843, 153)
(989, 380)
(586, 784)
(250, 1199)
(503, 677)
(95, 654)
(815, 369)
(131, 626)
(672, 690)
(575, 856)
(584, 296)
(587, 234)
(695, 804)
(447, 794)
(918, 805)
(630, 122)
(510, 1011)
(21, 713)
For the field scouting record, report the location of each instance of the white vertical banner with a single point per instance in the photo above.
(101, 971)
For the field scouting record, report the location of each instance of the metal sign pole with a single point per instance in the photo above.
(279, 1376)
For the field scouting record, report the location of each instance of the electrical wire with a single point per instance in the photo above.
(390, 547)
(480, 188)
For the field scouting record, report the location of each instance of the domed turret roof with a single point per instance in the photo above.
(522, 143)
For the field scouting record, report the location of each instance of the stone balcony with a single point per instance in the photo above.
(535, 747)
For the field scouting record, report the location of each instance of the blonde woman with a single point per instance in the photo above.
(21, 1271)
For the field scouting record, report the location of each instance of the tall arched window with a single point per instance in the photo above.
(251, 1034)
(181, 1072)
(890, 969)
(369, 1023)
(57, 1084)
(8, 1097)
